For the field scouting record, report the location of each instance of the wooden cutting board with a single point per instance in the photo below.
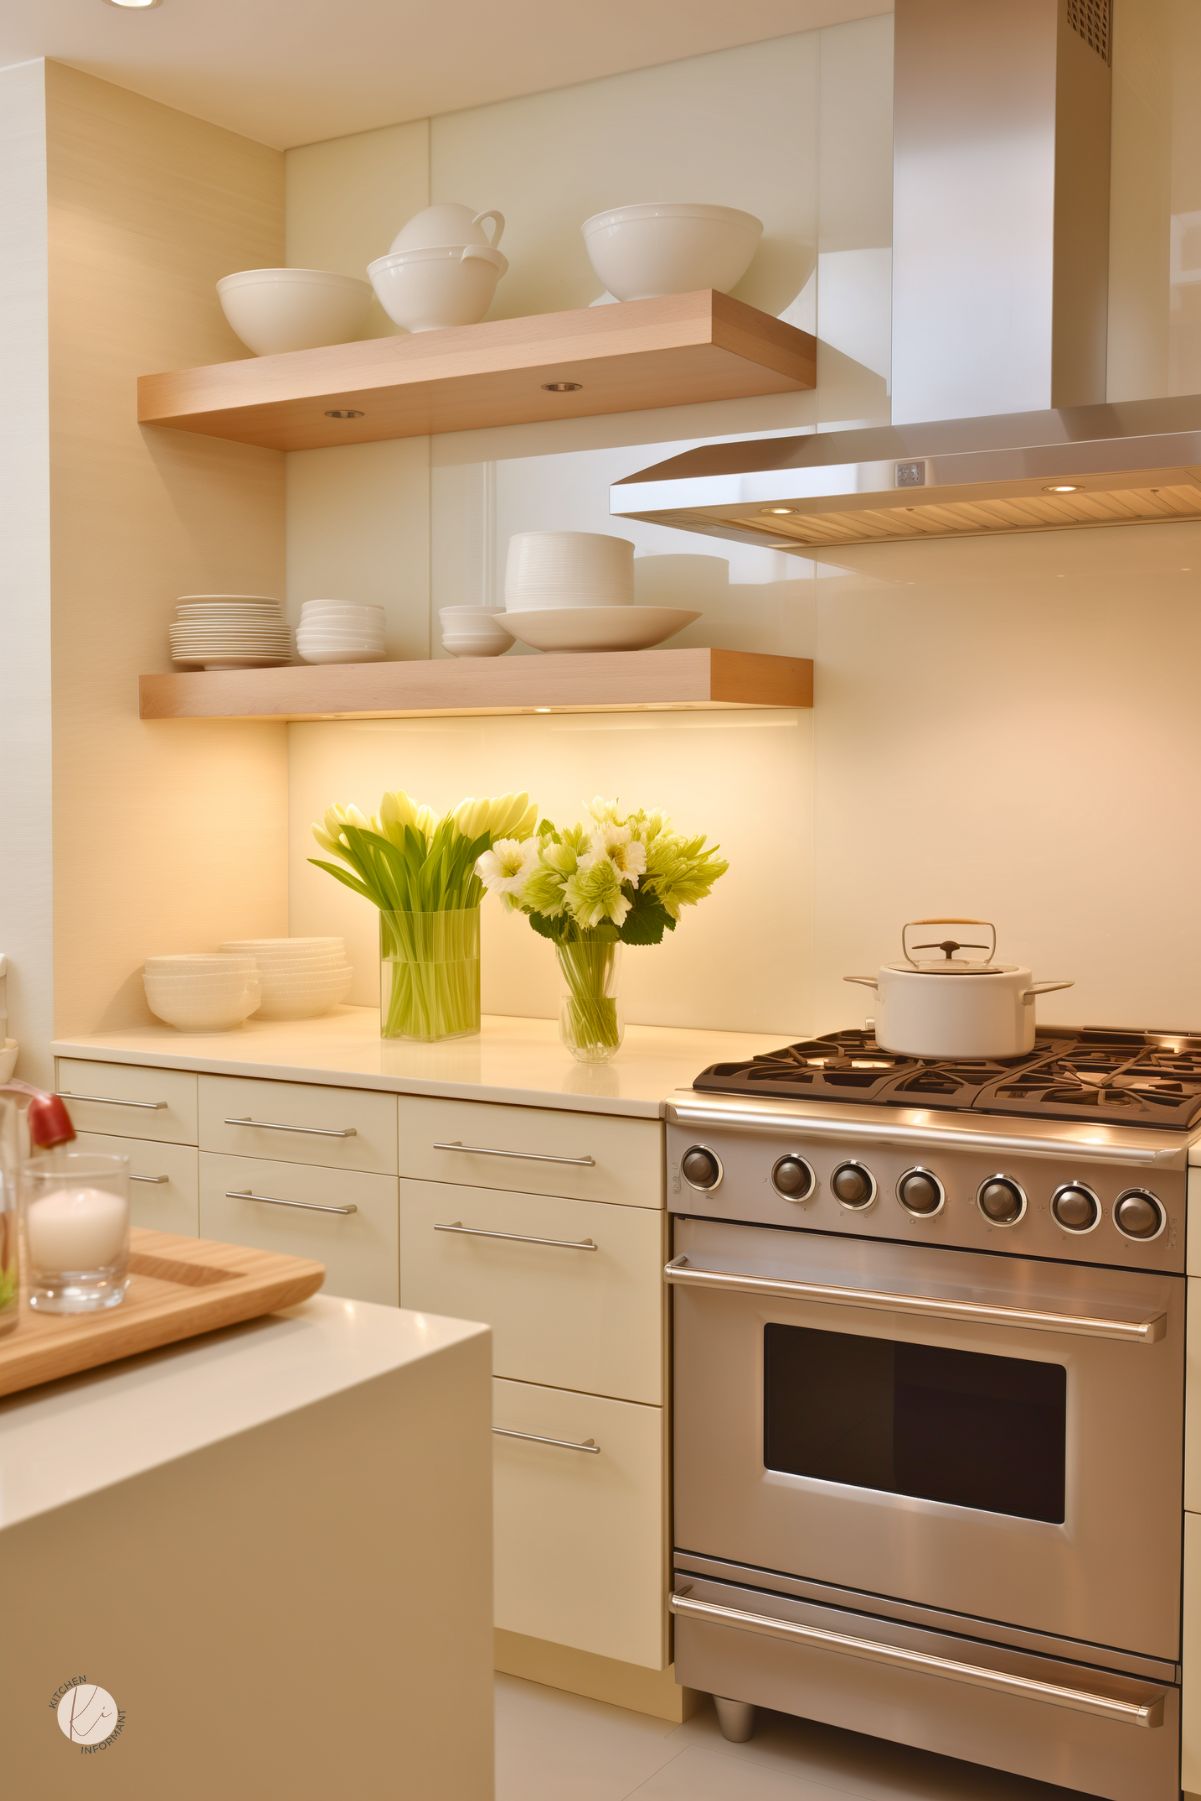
(178, 1288)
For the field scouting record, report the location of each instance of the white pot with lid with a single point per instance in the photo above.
(940, 1004)
(449, 223)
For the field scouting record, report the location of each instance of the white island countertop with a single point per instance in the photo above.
(519, 1061)
(75, 1437)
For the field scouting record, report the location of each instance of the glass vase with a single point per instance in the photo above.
(429, 974)
(589, 1023)
(10, 1165)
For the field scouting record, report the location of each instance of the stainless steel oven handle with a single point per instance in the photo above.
(1132, 1713)
(680, 1273)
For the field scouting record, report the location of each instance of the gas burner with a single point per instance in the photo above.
(1124, 1078)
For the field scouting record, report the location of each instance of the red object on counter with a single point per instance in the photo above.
(47, 1117)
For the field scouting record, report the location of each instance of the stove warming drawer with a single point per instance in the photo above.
(1087, 1728)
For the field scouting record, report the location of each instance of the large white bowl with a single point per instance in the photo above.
(293, 309)
(315, 655)
(307, 1002)
(427, 290)
(228, 960)
(204, 1012)
(598, 628)
(448, 223)
(669, 247)
(564, 569)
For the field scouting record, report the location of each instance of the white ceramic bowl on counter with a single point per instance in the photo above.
(428, 290)
(274, 310)
(300, 978)
(670, 247)
(202, 993)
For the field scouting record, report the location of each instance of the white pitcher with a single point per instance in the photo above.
(447, 224)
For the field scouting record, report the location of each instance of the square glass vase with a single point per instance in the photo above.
(429, 984)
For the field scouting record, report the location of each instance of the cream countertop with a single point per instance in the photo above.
(72, 1438)
(519, 1061)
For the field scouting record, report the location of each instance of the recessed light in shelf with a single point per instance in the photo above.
(561, 387)
(140, 6)
(343, 412)
(1062, 488)
(781, 510)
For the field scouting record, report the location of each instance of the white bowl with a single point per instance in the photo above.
(276, 969)
(598, 628)
(426, 290)
(476, 644)
(562, 569)
(202, 1010)
(254, 946)
(341, 656)
(670, 247)
(306, 1003)
(197, 987)
(222, 962)
(468, 614)
(293, 309)
(448, 223)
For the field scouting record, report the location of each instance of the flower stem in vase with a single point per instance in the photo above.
(589, 1022)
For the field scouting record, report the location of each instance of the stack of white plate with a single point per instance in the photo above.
(202, 991)
(229, 631)
(340, 631)
(300, 978)
(575, 591)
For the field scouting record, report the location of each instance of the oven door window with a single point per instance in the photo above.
(914, 1419)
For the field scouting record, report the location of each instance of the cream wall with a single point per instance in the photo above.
(165, 837)
(25, 865)
(1004, 728)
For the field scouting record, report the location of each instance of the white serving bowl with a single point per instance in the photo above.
(474, 632)
(255, 946)
(194, 1008)
(598, 628)
(448, 223)
(426, 290)
(197, 987)
(341, 656)
(293, 309)
(206, 963)
(476, 644)
(276, 969)
(564, 569)
(669, 247)
(293, 1001)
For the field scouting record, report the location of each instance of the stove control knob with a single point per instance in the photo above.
(700, 1168)
(1075, 1207)
(921, 1193)
(1139, 1214)
(1001, 1200)
(854, 1185)
(793, 1178)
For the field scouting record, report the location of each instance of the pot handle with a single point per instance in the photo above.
(1042, 988)
(499, 219)
(863, 981)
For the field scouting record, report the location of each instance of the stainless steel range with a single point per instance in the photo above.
(929, 1378)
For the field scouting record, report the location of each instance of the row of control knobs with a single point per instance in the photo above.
(1001, 1200)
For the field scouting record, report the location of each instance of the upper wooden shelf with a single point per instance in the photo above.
(585, 682)
(670, 351)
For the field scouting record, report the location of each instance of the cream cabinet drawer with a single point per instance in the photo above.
(163, 1181)
(1192, 1400)
(580, 1531)
(536, 1150)
(572, 1289)
(128, 1100)
(342, 1218)
(1190, 1687)
(299, 1122)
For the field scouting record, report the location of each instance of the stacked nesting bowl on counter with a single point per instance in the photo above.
(299, 978)
(202, 991)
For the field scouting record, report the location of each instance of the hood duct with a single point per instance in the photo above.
(1000, 274)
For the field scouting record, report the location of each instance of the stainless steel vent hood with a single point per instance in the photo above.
(1000, 263)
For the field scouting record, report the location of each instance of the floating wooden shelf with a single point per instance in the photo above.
(585, 682)
(671, 351)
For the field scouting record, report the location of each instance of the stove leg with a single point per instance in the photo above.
(736, 1719)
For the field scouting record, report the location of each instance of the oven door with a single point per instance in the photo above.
(993, 1436)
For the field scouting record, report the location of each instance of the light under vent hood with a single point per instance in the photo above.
(1000, 266)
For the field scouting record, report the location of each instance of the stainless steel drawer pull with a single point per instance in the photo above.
(922, 1306)
(274, 1200)
(134, 1178)
(563, 1244)
(483, 1150)
(111, 1100)
(266, 1125)
(563, 1444)
(1133, 1713)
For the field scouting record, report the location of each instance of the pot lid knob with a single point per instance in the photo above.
(949, 946)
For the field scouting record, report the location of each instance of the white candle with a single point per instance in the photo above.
(76, 1229)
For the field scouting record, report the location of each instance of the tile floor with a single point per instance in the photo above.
(557, 1747)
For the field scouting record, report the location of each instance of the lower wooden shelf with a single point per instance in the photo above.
(619, 681)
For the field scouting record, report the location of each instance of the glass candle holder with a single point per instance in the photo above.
(10, 1164)
(76, 1230)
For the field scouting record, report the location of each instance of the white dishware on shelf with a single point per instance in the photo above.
(428, 290)
(568, 569)
(229, 631)
(670, 247)
(275, 310)
(597, 628)
(202, 991)
(315, 653)
(474, 631)
(300, 978)
(448, 222)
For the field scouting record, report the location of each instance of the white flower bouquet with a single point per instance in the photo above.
(420, 871)
(613, 879)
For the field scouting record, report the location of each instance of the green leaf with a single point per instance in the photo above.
(647, 920)
(546, 927)
(344, 875)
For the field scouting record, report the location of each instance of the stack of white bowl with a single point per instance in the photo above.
(300, 978)
(474, 631)
(202, 991)
(229, 631)
(340, 631)
(442, 269)
(575, 591)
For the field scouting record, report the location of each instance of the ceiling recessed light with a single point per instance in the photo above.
(139, 6)
(1062, 488)
(782, 510)
(335, 412)
(561, 387)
